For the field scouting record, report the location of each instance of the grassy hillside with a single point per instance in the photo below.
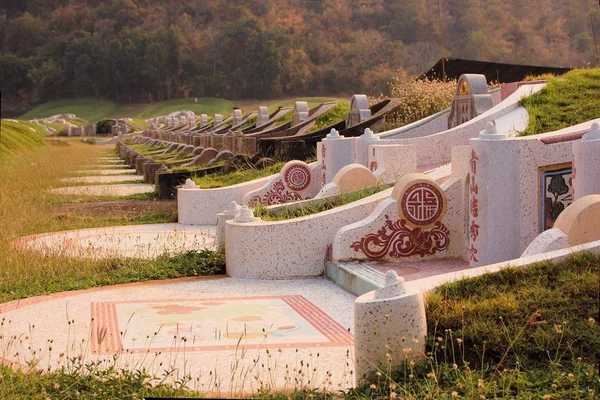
(88, 109)
(20, 136)
(312, 102)
(567, 100)
(95, 110)
(213, 106)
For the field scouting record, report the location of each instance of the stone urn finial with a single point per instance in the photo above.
(333, 134)
(245, 215)
(593, 134)
(189, 184)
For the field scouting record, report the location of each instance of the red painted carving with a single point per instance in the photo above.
(572, 180)
(277, 195)
(474, 160)
(472, 253)
(474, 230)
(323, 166)
(297, 177)
(474, 187)
(422, 203)
(474, 208)
(398, 240)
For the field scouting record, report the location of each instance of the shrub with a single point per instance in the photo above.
(420, 99)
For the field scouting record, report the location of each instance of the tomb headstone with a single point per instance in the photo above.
(472, 99)
(301, 112)
(237, 117)
(217, 120)
(359, 110)
(203, 120)
(263, 116)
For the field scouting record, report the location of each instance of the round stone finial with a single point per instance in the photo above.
(245, 215)
(369, 135)
(391, 277)
(491, 132)
(593, 134)
(333, 134)
(233, 210)
(394, 287)
(189, 184)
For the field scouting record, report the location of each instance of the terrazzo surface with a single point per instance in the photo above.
(103, 179)
(124, 189)
(140, 241)
(231, 335)
(113, 171)
(412, 270)
(105, 166)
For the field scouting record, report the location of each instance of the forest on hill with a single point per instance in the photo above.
(151, 50)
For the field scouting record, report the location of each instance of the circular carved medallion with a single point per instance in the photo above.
(297, 177)
(422, 203)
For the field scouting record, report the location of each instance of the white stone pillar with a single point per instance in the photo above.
(230, 213)
(494, 201)
(586, 164)
(361, 150)
(338, 152)
(390, 326)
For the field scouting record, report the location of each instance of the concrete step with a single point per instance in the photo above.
(356, 278)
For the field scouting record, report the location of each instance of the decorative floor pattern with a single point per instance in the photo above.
(140, 326)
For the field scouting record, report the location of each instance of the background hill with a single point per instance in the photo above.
(93, 110)
(139, 51)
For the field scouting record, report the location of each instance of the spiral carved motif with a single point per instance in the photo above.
(297, 177)
(277, 195)
(398, 240)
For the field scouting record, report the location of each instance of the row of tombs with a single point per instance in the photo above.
(467, 193)
(459, 185)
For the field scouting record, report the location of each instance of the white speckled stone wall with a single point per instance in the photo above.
(437, 148)
(339, 152)
(201, 206)
(396, 159)
(388, 328)
(495, 200)
(291, 248)
(586, 164)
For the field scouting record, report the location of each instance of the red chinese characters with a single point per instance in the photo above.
(473, 208)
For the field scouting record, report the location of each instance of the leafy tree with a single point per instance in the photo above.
(13, 73)
(48, 80)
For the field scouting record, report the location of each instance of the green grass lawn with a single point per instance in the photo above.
(566, 100)
(211, 106)
(20, 136)
(88, 109)
(312, 102)
(520, 333)
(95, 110)
(214, 181)
(302, 210)
(331, 117)
(205, 105)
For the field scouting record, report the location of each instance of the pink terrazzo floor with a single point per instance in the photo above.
(232, 335)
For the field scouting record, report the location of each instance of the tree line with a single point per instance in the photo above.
(151, 50)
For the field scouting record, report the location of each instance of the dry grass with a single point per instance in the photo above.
(420, 99)
(24, 198)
